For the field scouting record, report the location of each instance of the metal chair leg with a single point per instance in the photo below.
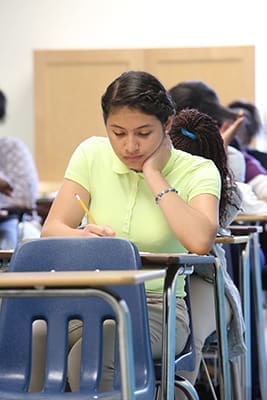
(186, 387)
(245, 271)
(257, 298)
(224, 365)
(235, 375)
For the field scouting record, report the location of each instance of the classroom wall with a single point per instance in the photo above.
(26, 25)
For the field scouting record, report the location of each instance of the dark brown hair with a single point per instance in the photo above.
(200, 96)
(197, 133)
(2, 105)
(141, 91)
(252, 116)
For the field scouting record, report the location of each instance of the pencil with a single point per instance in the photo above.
(86, 210)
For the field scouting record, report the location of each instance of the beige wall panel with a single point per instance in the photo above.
(229, 70)
(68, 88)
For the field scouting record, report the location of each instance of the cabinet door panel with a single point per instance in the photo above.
(229, 70)
(69, 84)
(68, 89)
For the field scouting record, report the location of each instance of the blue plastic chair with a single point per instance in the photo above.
(18, 314)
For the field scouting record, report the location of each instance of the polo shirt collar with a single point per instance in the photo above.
(118, 166)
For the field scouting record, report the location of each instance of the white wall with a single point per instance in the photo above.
(26, 25)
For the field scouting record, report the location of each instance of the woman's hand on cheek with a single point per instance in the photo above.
(158, 159)
(92, 230)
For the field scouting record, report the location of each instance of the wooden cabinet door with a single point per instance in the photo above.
(68, 89)
(69, 85)
(228, 70)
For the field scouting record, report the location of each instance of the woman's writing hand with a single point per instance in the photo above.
(157, 160)
(97, 231)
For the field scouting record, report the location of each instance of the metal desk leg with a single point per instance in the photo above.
(181, 265)
(257, 298)
(168, 334)
(224, 366)
(246, 303)
(167, 389)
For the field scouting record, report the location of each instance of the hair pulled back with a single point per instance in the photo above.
(140, 91)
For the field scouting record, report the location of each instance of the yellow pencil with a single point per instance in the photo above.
(86, 210)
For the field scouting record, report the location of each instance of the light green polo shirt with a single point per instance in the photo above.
(121, 198)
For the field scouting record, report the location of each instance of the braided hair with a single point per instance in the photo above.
(197, 133)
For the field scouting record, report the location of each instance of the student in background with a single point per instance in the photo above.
(250, 129)
(198, 134)
(19, 180)
(256, 161)
(198, 95)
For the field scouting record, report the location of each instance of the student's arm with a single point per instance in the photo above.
(195, 224)
(66, 214)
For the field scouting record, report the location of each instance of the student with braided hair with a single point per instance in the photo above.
(197, 94)
(197, 133)
(202, 138)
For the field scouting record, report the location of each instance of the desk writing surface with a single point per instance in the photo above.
(251, 217)
(174, 258)
(232, 239)
(78, 278)
(6, 254)
(156, 258)
(245, 229)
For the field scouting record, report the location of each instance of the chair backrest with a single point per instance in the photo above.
(17, 316)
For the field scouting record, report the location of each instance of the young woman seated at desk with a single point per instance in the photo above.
(139, 187)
